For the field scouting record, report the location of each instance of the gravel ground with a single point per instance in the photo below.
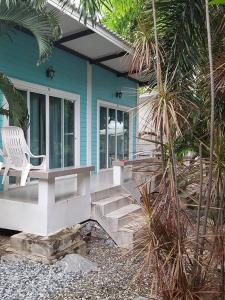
(22, 279)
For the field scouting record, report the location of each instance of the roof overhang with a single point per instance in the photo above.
(97, 44)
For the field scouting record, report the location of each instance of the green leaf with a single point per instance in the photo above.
(34, 17)
(217, 2)
(88, 9)
(17, 105)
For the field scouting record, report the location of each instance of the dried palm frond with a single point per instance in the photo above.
(169, 257)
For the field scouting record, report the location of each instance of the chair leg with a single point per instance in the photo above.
(18, 181)
(24, 175)
(1, 165)
(5, 174)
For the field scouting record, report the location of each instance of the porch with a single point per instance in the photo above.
(53, 200)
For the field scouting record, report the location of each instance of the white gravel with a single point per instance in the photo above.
(25, 280)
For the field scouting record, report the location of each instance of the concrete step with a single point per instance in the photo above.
(106, 193)
(110, 204)
(122, 216)
(134, 224)
(128, 236)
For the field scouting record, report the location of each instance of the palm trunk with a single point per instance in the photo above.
(158, 76)
(196, 260)
(212, 97)
(208, 203)
(158, 65)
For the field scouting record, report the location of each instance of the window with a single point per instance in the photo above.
(113, 136)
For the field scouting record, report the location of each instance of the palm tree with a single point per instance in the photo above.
(89, 9)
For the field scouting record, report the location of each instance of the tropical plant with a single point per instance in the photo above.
(43, 24)
(181, 47)
(123, 17)
(88, 9)
(217, 1)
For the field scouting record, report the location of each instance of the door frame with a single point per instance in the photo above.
(117, 107)
(47, 91)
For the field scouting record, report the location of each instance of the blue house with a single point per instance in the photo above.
(81, 103)
(69, 113)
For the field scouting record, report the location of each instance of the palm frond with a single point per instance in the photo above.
(88, 9)
(42, 23)
(17, 105)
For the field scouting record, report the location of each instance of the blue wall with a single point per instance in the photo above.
(18, 59)
(104, 87)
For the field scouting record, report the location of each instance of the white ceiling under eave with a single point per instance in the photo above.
(94, 43)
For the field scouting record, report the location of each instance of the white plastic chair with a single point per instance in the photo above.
(16, 153)
(3, 155)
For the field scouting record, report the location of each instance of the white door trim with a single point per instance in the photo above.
(42, 89)
(89, 112)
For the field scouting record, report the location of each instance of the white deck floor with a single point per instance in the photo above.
(66, 187)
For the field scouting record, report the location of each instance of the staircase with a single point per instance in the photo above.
(115, 211)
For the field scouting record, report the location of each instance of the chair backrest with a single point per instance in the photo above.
(15, 145)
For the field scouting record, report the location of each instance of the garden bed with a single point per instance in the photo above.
(21, 278)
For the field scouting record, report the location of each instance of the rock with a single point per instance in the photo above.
(8, 258)
(87, 227)
(77, 264)
(110, 242)
(51, 247)
(141, 298)
(99, 232)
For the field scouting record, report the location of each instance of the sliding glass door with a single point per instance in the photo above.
(55, 121)
(113, 136)
(61, 132)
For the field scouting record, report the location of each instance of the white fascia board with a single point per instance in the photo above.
(98, 29)
(89, 111)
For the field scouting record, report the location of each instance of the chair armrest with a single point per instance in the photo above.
(3, 153)
(43, 164)
(37, 156)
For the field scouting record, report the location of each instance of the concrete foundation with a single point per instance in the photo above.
(50, 248)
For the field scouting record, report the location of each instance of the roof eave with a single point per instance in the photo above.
(97, 28)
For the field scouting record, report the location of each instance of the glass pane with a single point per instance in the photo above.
(103, 137)
(111, 136)
(37, 126)
(126, 135)
(68, 133)
(12, 179)
(55, 133)
(120, 134)
(24, 95)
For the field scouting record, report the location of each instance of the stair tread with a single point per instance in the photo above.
(110, 199)
(123, 211)
(133, 225)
